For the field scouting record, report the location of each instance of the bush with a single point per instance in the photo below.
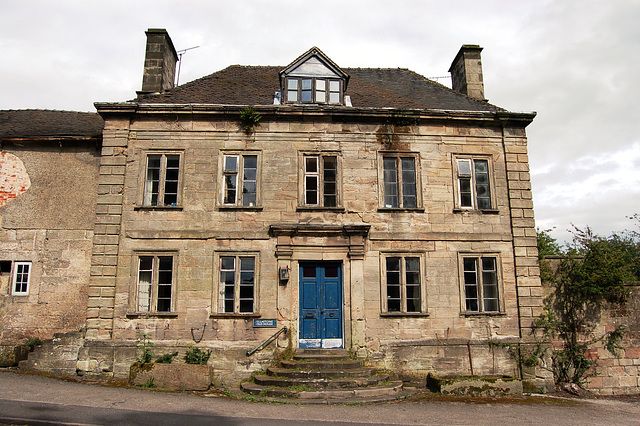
(197, 356)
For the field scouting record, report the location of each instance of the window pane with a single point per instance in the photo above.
(331, 272)
(249, 184)
(464, 167)
(306, 84)
(334, 85)
(231, 163)
(227, 262)
(334, 98)
(390, 182)
(311, 183)
(250, 162)
(483, 192)
(306, 96)
(311, 164)
(321, 97)
(309, 271)
(292, 84)
(292, 96)
(321, 85)
(152, 183)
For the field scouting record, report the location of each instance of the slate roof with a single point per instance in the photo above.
(33, 123)
(368, 88)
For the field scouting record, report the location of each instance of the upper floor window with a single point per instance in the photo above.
(313, 90)
(480, 283)
(320, 180)
(473, 183)
(155, 283)
(400, 182)
(240, 180)
(162, 180)
(21, 278)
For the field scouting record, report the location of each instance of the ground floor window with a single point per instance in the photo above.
(21, 278)
(402, 283)
(237, 284)
(480, 283)
(155, 283)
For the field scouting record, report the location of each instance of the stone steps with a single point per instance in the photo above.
(58, 355)
(325, 376)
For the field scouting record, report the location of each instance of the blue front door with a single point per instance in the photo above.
(320, 305)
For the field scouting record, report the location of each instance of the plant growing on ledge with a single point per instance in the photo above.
(388, 131)
(197, 356)
(144, 343)
(249, 119)
(32, 343)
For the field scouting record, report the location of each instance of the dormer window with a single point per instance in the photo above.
(313, 90)
(313, 79)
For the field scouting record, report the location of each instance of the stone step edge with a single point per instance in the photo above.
(310, 373)
(372, 391)
(389, 393)
(322, 365)
(322, 383)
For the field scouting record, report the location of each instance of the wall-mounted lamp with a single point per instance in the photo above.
(284, 274)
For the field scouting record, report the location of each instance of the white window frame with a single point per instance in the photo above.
(403, 285)
(474, 185)
(319, 174)
(324, 90)
(480, 284)
(147, 189)
(221, 297)
(398, 157)
(18, 273)
(240, 178)
(153, 292)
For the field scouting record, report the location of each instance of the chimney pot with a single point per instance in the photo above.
(466, 72)
(159, 62)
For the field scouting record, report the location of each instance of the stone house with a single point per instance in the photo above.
(48, 184)
(367, 209)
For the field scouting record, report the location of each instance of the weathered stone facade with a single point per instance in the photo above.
(47, 224)
(282, 234)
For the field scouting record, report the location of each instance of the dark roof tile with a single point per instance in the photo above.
(33, 123)
(368, 88)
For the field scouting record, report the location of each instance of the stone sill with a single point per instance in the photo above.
(243, 208)
(234, 316)
(315, 209)
(151, 314)
(403, 314)
(400, 210)
(477, 211)
(157, 208)
(483, 314)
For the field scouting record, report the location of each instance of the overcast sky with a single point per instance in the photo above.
(575, 62)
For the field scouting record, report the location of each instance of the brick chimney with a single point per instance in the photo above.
(159, 62)
(466, 72)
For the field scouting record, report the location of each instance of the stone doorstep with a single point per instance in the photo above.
(322, 365)
(321, 374)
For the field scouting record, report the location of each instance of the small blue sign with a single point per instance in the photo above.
(265, 323)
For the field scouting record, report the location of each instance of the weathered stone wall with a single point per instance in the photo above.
(200, 228)
(50, 225)
(618, 374)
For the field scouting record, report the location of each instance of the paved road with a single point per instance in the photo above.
(35, 400)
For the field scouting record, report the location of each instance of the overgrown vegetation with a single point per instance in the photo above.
(591, 272)
(144, 344)
(33, 342)
(249, 119)
(166, 358)
(195, 355)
